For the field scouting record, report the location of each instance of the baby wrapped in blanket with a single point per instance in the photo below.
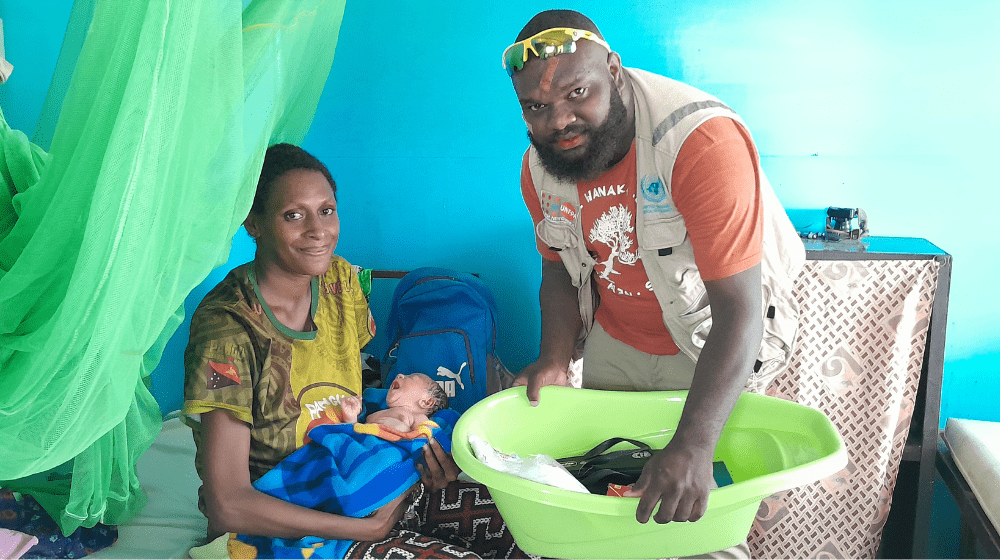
(410, 401)
(350, 468)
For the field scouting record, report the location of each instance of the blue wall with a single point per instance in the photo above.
(888, 106)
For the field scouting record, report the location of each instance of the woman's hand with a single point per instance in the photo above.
(386, 517)
(441, 467)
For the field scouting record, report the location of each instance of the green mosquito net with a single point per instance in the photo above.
(158, 117)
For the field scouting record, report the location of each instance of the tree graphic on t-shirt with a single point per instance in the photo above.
(612, 229)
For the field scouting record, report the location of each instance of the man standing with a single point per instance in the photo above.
(666, 256)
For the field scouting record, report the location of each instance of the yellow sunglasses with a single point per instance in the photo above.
(551, 42)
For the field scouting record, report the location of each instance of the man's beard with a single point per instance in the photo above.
(605, 148)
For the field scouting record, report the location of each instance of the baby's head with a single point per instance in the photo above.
(417, 390)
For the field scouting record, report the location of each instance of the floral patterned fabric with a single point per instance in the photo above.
(23, 513)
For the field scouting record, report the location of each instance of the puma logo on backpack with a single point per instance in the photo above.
(449, 387)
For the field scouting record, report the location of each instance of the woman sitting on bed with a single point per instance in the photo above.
(273, 345)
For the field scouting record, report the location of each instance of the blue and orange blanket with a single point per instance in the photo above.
(346, 469)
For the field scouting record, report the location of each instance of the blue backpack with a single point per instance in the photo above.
(442, 323)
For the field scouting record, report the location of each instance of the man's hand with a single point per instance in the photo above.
(441, 467)
(679, 478)
(540, 374)
(561, 325)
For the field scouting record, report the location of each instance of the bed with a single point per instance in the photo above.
(171, 523)
(968, 461)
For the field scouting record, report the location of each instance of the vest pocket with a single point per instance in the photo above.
(699, 324)
(556, 235)
(780, 326)
(780, 316)
(662, 231)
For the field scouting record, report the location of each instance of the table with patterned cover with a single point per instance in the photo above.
(860, 352)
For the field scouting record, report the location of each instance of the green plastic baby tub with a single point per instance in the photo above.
(768, 444)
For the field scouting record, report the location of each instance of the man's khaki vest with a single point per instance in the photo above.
(666, 112)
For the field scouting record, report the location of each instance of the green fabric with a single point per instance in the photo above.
(365, 278)
(152, 167)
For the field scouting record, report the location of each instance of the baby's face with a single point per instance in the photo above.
(408, 389)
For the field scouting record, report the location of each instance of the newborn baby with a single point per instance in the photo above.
(411, 399)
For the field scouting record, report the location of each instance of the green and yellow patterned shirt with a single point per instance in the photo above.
(278, 380)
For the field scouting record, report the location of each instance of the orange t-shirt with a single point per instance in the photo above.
(715, 188)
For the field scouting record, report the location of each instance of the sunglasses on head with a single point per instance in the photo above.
(551, 42)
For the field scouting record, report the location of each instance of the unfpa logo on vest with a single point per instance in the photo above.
(568, 211)
(453, 379)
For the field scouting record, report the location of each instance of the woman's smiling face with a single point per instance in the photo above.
(299, 228)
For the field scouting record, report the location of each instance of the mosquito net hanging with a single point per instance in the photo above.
(151, 169)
